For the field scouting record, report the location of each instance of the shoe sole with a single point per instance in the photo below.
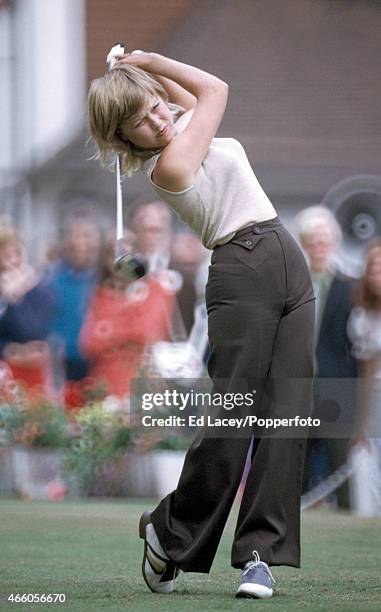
(262, 593)
(145, 519)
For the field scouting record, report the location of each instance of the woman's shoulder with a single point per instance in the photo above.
(364, 330)
(227, 141)
(148, 165)
(363, 318)
(359, 322)
(230, 146)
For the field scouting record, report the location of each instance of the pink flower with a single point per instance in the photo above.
(57, 490)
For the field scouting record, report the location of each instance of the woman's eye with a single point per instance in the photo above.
(156, 106)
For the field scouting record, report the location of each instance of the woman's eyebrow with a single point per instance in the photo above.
(138, 116)
(135, 118)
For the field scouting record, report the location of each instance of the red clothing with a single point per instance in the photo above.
(118, 328)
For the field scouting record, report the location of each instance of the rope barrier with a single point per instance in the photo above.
(337, 478)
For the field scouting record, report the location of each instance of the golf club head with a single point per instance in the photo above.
(130, 266)
(115, 51)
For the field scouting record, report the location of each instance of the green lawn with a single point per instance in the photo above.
(90, 551)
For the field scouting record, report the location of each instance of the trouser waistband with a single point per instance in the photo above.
(259, 227)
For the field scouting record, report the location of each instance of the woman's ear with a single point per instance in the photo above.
(119, 134)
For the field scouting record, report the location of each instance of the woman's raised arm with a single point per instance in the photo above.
(183, 156)
(176, 93)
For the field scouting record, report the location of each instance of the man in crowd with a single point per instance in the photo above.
(73, 278)
(152, 226)
(164, 249)
(320, 237)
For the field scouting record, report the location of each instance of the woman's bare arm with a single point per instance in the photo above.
(183, 156)
(176, 93)
(365, 383)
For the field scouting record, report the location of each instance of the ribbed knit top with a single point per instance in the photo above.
(225, 197)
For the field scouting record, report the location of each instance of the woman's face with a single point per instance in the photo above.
(10, 257)
(152, 127)
(373, 273)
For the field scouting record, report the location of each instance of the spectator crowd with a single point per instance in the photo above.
(79, 326)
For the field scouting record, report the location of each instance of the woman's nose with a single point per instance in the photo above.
(155, 121)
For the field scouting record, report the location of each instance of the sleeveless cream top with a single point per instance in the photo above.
(225, 197)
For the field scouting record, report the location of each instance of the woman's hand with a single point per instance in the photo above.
(15, 283)
(137, 58)
(144, 61)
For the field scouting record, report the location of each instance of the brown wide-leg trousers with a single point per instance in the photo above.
(260, 322)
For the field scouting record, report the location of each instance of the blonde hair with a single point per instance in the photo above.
(114, 98)
(365, 296)
(9, 235)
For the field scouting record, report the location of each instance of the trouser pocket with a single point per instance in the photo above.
(250, 250)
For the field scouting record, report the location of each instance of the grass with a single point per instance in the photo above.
(89, 550)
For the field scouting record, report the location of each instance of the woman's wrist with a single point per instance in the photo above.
(192, 79)
(142, 59)
(138, 59)
(148, 61)
(154, 62)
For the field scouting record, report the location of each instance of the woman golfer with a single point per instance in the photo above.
(161, 117)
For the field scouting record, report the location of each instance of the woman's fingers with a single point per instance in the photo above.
(135, 58)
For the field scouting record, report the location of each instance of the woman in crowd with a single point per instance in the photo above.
(161, 116)
(27, 306)
(364, 327)
(123, 320)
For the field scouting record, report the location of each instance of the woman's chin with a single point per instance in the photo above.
(166, 138)
(158, 143)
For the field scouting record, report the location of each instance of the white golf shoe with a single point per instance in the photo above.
(159, 572)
